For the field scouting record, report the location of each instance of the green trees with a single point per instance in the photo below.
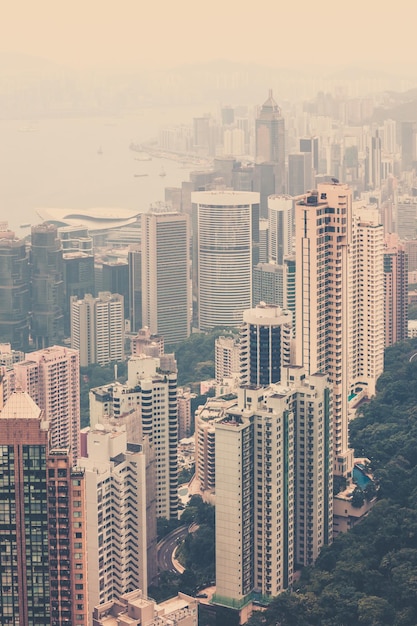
(368, 576)
(195, 356)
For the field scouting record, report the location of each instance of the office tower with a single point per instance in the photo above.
(166, 294)
(78, 275)
(52, 379)
(97, 328)
(396, 290)
(136, 609)
(270, 139)
(411, 251)
(75, 239)
(42, 570)
(263, 240)
(373, 163)
(268, 513)
(243, 177)
(311, 144)
(47, 287)
(115, 483)
(206, 417)
(281, 227)
(265, 344)
(323, 236)
(150, 390)
(115, 279)
(366, 325)
(408, 144)
(266, 183)
(268, 284)
(406, 217)
(135, 287)
(222, 241)
(14, 290)
(226, 357)
(300, 173)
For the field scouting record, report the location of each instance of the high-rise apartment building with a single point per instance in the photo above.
(97, 328)
(366, 325)
(52, 379)
(270, 139)
(14, 290)
(226, 357)
(47, 287)
(323, 237)
(222, 240)
(273, 486)
(151, 389)
(265, 344)
(166, 287)
(115, 484)
(280, 228)
(396, 290)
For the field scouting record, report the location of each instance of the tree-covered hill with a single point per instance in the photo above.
(369, 575)
(195, 356)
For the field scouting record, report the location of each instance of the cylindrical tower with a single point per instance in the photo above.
(223, 240)
(265, 344)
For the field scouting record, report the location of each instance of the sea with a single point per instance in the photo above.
(84, 162)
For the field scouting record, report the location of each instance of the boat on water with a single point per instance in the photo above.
(25, 225)
(100, 150)
(162, 172)
(139, 175)
(145, 157)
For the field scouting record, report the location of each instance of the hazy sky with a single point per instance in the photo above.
(163, 33)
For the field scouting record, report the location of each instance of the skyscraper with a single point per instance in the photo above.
(150, 397)
(115, 483)
(395, 290)
(42, 534)
(366, 325)
(97, 328)
(14, 290)
(270, 139)
(273, 489)
(166, 287)
(222, 240)
(300, 173)
(47, 287)
(52, 379)
(265, 337)
(281, 228)
(323, 236)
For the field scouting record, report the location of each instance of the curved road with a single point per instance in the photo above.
(166, 549)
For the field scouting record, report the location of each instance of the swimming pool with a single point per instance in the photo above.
(360, 478)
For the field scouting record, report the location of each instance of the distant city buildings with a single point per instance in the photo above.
(166, 286)
(97, 328)
(223, 256)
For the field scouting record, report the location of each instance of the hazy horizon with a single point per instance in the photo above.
(163, 35)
